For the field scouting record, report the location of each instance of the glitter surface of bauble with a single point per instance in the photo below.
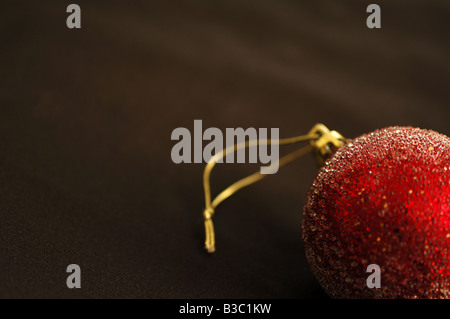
(383, 198)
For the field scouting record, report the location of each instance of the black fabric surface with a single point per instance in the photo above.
(86, 175)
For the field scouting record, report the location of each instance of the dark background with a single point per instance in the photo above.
(86, 117)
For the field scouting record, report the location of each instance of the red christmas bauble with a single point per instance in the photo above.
(384, 199)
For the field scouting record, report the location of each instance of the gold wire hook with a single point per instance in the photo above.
(322, 142)
(326, 143)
